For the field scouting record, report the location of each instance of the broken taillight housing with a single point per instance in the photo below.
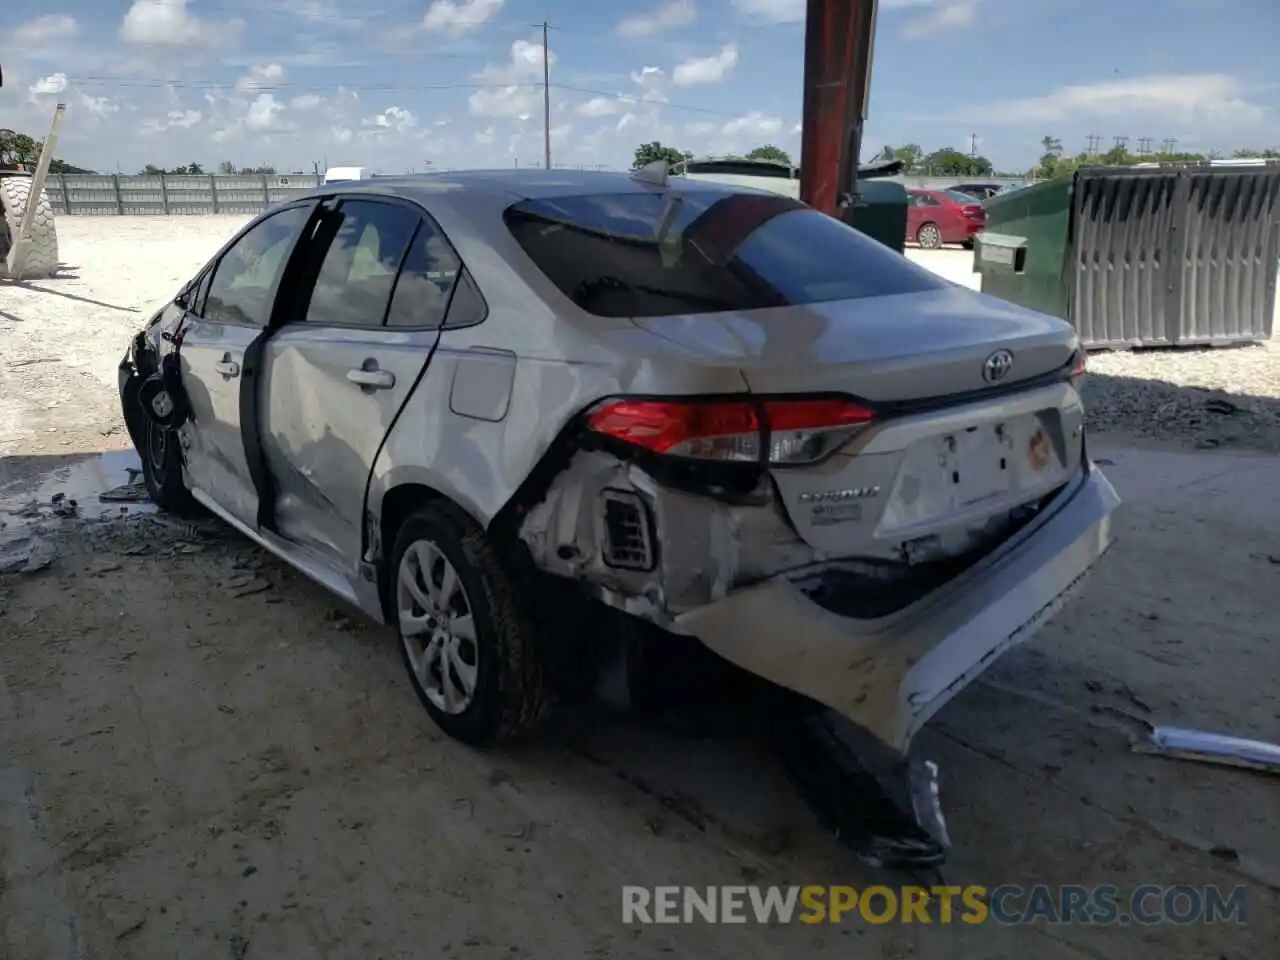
(733, 431)
(1079, 366)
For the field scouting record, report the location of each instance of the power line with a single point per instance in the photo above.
(628, 98)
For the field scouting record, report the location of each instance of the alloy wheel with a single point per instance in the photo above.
(437, 627)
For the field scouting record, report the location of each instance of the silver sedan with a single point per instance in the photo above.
(520, 415)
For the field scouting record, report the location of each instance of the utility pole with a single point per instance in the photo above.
(1121, 143)
(1144, 146)
(1094, 140)
(546, 96)
(1169, 144)
(973, 145)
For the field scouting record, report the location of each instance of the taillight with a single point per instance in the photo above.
(731, 431)
(1079, 366)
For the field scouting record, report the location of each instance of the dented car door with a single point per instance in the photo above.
(235, 312)
(341, 367)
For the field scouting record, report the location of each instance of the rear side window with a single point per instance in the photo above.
(426, 281)
(655, 254)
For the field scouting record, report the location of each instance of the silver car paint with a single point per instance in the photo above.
(494, 397)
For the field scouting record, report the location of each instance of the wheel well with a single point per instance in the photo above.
(397, 505)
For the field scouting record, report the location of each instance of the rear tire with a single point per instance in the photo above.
(929, 236)
(466, 636)
(161, 455)
(42, 253)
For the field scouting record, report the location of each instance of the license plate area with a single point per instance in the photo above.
(970, 472)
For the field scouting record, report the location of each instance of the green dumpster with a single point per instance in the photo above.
(1141, 256)
(880, 211)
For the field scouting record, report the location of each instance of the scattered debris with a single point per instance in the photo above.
(135, 491)
(65, 507)
(1218, 405)
(245, 586)
(223, 708)
(1127, 692)
(1182, 744)
(15, 364)
(26, 555)
(249, 871)
(1223, 852)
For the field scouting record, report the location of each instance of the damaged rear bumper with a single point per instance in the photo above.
(891, 675)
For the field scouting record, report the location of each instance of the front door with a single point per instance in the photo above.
(235, 312)
(338, 372)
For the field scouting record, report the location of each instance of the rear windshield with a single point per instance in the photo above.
(655, 254)
(959, 196)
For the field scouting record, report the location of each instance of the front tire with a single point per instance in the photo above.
(929, 236)
(465, 636)
(161, 456)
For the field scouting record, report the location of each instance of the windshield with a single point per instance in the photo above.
(656, 254)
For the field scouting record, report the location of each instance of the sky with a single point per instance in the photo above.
(400, 85)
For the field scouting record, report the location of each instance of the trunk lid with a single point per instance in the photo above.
(906, 347)
(911, 486)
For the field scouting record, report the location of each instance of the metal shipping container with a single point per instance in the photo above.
(1142, 256)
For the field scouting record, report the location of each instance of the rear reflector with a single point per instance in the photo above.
(1081, 364)
(730, 431)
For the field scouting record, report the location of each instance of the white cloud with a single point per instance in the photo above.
(306, 101)
(97, 106)
(54, 26)
(265, 113)
(48, 86)
(772, 11)
(512, 102)
(753, 124)
(179, 119)
(486, 136)
(260, 77)
(667, 16)
(599, 107)
(167, 23)
(524, 64)
(515, 95)
(1205, 98)
(943, 17)
(460, 16)
(392, 120)
(701, 70)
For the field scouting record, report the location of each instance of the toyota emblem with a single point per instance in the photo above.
(996, 366)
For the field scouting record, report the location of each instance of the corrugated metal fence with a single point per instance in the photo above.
(110, 195)
(85, 194)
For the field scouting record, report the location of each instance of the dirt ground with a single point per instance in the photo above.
(204, 755)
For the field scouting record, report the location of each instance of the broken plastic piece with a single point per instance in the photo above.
(1183, 744)
(656, 173)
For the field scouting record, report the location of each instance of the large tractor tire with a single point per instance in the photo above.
(42, 253)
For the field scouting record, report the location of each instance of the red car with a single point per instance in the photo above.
(935, 217)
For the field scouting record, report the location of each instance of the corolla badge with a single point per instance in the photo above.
(996, 367)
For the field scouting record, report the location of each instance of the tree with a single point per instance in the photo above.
(648, 153)
(909, 156)
(770, 152)
(949, 162)
(18, 148)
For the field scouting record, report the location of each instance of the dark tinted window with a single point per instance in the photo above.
(360, 265)
(652, 254)
(245, 280)
(426, 280)
(467, 307)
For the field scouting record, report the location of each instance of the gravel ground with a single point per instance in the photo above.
(204, 755)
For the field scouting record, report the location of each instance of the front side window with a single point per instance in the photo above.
(245, 279)
(358, 272)
(656, 253)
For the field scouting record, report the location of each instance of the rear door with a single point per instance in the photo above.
(230, 311)
(344, 362)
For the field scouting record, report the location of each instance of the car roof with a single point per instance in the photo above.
(529, 184)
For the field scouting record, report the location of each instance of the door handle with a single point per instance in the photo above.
(228, 368)
(372, 379)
